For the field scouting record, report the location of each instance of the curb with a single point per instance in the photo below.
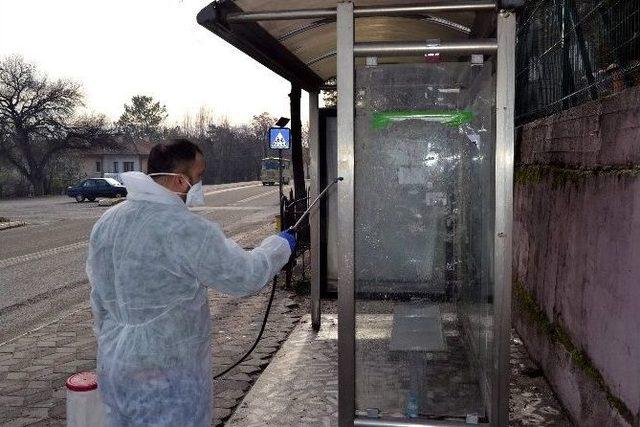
(11, 224)
(110, 202)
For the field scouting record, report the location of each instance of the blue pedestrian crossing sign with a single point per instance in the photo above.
(280, 138)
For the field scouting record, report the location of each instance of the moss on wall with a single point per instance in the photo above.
(525, 302)
(560, 176)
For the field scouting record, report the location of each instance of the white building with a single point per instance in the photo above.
(132, 156)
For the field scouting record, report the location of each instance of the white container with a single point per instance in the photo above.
(84, 406)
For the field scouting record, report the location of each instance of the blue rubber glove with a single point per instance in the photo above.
(290, 237)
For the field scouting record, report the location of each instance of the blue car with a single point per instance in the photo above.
(92, 188)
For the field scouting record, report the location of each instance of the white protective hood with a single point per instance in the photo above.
(141, 186)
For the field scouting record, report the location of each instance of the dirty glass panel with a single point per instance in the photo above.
(422, 239)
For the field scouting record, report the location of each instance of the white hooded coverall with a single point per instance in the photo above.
(150, 263)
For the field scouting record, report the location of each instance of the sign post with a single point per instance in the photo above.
(280, 187)
(280, 139)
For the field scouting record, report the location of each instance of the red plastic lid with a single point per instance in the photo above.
(82, 381)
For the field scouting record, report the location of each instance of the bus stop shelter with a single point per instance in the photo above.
(421, 224)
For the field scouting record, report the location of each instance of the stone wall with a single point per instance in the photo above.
(577, 255)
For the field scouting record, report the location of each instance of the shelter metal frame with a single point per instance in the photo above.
(346, 50)
(364, 11)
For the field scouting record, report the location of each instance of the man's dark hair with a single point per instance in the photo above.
(175, 156)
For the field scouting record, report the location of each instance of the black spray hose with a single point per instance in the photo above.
(255, 343)
(273, 287)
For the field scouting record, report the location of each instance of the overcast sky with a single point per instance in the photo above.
(120, 48)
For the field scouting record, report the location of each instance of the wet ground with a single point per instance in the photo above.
(300, 386)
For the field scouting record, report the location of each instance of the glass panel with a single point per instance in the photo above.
(423, 239)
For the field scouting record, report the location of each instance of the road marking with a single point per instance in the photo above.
(257, 196)
(8, 262)
(37, 328)
(69, 286)
(43, 295)
(208, 193)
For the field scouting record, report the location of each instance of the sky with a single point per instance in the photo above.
(120, 48)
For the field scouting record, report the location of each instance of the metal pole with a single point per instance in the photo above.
(346, 293)
(417, 9)
(620, 55)
(582, 45)
(297, 159)
(568, 87)
(421, 48)
(280, 189)
(278, 15)
(314, 217)
(504, 152)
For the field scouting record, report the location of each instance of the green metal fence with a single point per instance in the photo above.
(571, 51)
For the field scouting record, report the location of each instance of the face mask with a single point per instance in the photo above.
(195, 195)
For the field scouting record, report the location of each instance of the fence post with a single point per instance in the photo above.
(584, 53)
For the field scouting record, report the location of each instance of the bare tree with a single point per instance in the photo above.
(187, 125)
(204, 118)
(260, 125)
(38, 120)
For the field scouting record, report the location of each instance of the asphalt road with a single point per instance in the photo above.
(42, 274)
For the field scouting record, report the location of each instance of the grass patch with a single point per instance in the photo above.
(526, 302)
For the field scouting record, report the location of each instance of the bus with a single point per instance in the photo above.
(269, 172)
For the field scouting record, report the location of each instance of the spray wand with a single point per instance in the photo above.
(293, 228)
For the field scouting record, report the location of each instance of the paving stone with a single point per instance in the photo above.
(22, 392)
(221, 413)
(52, 376)
(8, 348)
(38, 396)
(240, 377)
(39, 413)
(44, 404)
(17, 375)
(47, 423)
(230, 394)
(255, 362)
(11, 401)
(37, 365)
(58, 411)
(248, 369)
(8, 387)
(8, 413)
(20, 422)
(226, 403)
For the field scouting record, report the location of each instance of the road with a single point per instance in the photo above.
(42, 273)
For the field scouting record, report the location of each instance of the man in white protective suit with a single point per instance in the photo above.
(150, 264)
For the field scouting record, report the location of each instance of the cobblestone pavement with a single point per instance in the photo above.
(34, 367)
(300, 387)
(531, 401)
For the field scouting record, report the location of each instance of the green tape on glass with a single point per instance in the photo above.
(452, 118)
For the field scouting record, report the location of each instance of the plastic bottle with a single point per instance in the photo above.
(84, 407)
(412, 406)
